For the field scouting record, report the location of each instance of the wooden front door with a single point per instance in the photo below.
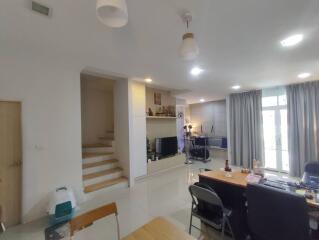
(10, 162)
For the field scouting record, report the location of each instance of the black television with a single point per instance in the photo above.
(166, 146)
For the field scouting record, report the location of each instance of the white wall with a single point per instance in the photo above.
(49, 90)
(121, 125)
(137, 129)
(97, 109)
(207, 114)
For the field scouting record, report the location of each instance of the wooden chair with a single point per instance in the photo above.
(87, 219)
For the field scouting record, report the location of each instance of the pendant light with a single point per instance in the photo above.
(189, 49)
(112, 13)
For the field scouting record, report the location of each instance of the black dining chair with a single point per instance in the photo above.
(275, 214)
(202, 198)
(311, 174)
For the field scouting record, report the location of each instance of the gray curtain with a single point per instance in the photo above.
(245, 122)
(303, 125)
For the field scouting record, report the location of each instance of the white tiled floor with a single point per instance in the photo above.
(165, 194)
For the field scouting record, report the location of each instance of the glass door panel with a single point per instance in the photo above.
(284, 140)
(270, 143)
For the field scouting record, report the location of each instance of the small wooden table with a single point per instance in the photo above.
(158, 229)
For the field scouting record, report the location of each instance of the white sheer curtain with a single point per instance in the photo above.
(303, 125)
(245, 128)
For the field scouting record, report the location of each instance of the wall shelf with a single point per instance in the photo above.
(159, 117)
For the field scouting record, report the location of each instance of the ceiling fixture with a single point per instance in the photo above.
(189, 49)
(148, 80)
(304, 75)
(292, 40)
(196, 71)
(236, 87)
(112, 13)
(202, 100)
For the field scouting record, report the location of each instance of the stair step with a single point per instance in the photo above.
(96, 145)
(98, 149)
(102, 173)
(97, 164)
(95, 154)
(96, 157)
(110, 138)
(105, 184)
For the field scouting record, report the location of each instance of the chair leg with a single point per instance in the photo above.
(230, 228)
(118, 227)
(223, 228)
(190, 224)
(3, 228)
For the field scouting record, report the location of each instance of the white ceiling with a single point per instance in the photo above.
(238, 40)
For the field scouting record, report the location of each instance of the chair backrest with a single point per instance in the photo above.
(205, 195)
(311, 174)
(312, 168)
(275, 214)
(87, 219)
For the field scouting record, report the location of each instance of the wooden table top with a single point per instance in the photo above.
(236, 178)
(239, 179)
(158, 229)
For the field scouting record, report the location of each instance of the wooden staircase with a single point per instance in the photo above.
(100, 169)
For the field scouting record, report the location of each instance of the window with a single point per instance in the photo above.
(274, 111)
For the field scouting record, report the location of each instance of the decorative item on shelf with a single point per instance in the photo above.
(150, 112)
(164, 110)
(160, 111)
(157, 98)
(171, 111)
(227, 168)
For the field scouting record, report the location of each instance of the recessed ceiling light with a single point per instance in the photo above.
(148, 80)
(292, 40)
(202, 100)
(236, 87)
(304, 75)
(196, 71)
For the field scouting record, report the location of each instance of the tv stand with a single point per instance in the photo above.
(167, 163)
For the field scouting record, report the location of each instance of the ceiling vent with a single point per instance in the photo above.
(42, 9)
